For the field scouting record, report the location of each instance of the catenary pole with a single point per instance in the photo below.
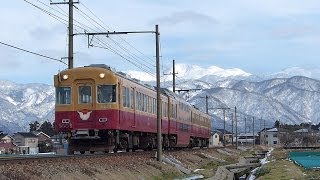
(159, 143)
(253, 141)
(245, 130)
(232, 127)
(174, 77)
(235, 116)
(70, 31)
(70, 49)
(207, 108)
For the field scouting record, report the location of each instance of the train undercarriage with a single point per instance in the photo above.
(116, 140)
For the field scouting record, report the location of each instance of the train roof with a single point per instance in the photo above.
(163, 91)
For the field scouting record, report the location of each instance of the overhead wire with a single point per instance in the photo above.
(150, 73)
(15, 47)
(63, 21)
(123, 56)
(80, 25)
(109, 47)
(178, 79)
(123, 48)
(118, 35)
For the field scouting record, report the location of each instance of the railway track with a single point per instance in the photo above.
(23, 159)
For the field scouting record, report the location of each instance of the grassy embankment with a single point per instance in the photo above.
(280, 168)
(208, 166)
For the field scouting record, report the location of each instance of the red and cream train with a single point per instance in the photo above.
(101, 110)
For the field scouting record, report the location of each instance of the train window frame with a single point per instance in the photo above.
(109, 98)
(66, 99)
(131, 98)
(123, 96)
(87, 99)
(127, 97)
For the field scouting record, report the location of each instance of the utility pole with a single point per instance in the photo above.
(245, 129)
(159, 144)
(157, 34)
(260, 129)
(264, 124)
(279, 132)
(173, 76)
(253, 142)
(235, 116)
(224, 123)
(232, 127)
(224, 127)
(207, 108)
(70, 32)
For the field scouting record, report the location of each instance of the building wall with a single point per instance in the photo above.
(31, 142)
(27, 145)
(19, 140)
(214, 140)
(42, 137)
(269, 138)
(6, 139)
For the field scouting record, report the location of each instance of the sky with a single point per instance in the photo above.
(259, 37)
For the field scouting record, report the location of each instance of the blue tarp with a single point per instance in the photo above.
(308, 160)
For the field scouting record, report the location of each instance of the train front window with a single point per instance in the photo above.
(63, 95)
(85, 95)
(106, 93)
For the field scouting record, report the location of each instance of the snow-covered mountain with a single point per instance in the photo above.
(307, 71)
(292, 100)
(185, 71)
(21, 104)
(289, 99)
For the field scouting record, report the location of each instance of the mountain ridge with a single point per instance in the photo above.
(292, 100)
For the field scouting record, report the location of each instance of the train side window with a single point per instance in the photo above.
(106, 93)
(149, 105)
(131, 98)
(126, 101)
(63, 95)
(127, 98)
(138, 100)
(154, 106)
(124, 96)
(85, 95)
(143, 102)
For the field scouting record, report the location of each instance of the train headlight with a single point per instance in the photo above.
(65, 76)
(101, 75)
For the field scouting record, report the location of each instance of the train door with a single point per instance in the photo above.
(84, 104)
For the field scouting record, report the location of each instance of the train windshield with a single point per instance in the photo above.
(63, 95)
(106, 93)
(85, 95)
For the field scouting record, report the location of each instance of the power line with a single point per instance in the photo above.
(123, 48)
(112, 50)
(58, 18)
(59, 60)
(85, 27)
(118, 36)
(133, 56)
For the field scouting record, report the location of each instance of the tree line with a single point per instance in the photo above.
(45, 127)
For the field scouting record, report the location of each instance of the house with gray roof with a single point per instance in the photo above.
(27, 143)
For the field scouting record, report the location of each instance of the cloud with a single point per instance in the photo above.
(293, 31)
(186, 17)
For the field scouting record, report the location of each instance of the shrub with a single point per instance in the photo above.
(262, 171)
